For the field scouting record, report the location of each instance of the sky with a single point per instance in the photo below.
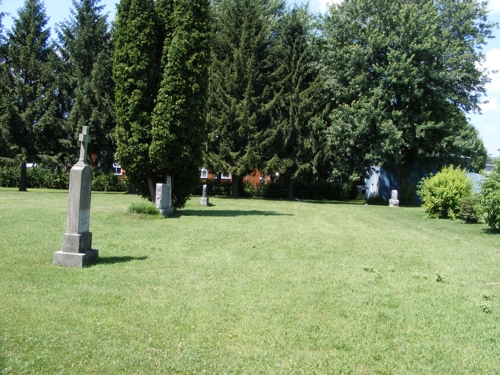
(487, 123)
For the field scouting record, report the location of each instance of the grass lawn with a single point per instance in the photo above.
(247, 286)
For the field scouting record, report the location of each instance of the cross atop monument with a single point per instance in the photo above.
(84, 138)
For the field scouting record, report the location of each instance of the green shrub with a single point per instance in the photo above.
(36, 177)
(56, 180)
(144, 208)
(489, 198)
(109, 182)
(468, 210)
(10, 176)
(442, 193)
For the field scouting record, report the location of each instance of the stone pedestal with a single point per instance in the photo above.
(77, 241)
(204, 197)
(164, 197)
(394, 202)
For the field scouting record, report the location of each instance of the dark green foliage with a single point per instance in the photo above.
(239, 73)
(178, 122)
(468, 210)
(143, 208)
(312, 190)
(35, 178)
(296, 104)
(109, 182)
(443, 192)
(87, 49)
(489, 198)
(9, 176)
(214, 187)
(471, 152)
(401, 77)
(135, 73)
(30, 105)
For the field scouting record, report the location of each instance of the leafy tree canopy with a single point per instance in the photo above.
(401, 75)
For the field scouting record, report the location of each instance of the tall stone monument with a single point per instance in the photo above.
(204, 196)
(77, 241)
(164, 197)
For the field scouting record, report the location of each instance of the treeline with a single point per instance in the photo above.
(235, 85)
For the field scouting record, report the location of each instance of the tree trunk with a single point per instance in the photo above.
(235, 186)
(290, 189)
(152, 189)
(24, 178)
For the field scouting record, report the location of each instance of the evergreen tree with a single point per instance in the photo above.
(178, 125)
(401, 76)
(86, 46)
(4, 75)
(135, 73)
(31, 104)
(296, 107)
(242, 39)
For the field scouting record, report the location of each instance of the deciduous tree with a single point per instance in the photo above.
(402, 75)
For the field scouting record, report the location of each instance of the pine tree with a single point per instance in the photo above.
(31, 103)
(4, 76)
(135, 73)
(296, 105)
(86, 45)
(178, 126)
(242, 37)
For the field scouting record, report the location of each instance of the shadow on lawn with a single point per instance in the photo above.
(227, 213)
(491, 231)
(113, 260)
(351, 202)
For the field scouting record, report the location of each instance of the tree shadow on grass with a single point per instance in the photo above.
(226, 213)
(114, 260)
(491, 231)
(351, 202)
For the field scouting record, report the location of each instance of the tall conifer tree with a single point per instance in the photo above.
(135, 73)
(178, 127)
(86, 45)
(238, 79)
(31, 108)
(296, 104)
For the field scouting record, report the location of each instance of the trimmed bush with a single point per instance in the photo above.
(442, 193)
(489, 198)
(468, 210)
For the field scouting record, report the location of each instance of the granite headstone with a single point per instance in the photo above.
(394, 202)
(77, 241)
(204, 196)
(164, 197)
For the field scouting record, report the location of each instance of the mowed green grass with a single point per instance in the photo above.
(247, 286)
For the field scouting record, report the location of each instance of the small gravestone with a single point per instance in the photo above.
(394, 202)
(204, 197)
(77, 241)
(163, 199)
